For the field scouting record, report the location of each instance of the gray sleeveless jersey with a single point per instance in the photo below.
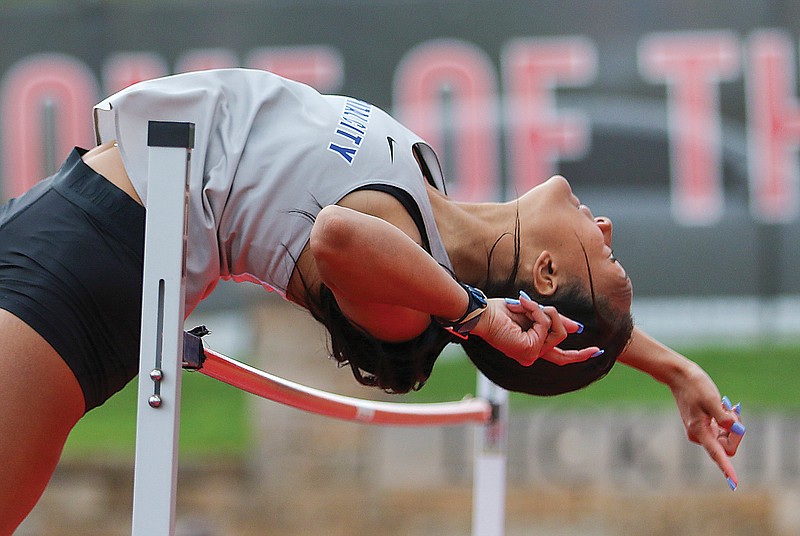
(266, 150)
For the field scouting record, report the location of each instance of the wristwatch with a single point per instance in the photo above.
(463, 326)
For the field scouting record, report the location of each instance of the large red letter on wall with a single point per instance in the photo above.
(41, 91)
(201, 59)
(446, 92)
(539, 135)
(319, 66)
(124, 69)
(774, 127)
(692, 65)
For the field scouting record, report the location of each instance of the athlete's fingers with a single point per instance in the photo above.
(541, 321)
(565, 357)
(732, 430)
(716, 451)
(516, 306)
(557, 331)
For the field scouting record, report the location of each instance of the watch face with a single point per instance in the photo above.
(478, 295)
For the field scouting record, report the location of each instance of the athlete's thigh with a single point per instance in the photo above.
(41, 401)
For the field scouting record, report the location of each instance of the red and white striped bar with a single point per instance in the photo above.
(269, 386)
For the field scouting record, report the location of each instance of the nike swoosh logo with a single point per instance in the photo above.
(391, 147)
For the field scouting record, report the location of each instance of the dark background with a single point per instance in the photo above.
(626, 173)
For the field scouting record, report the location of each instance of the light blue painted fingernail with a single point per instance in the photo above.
(512, 301)
(738, 428)
(731, 483)
(727, 403)
(580, 327)
(598, 353)
(525, 295)
(738, 408)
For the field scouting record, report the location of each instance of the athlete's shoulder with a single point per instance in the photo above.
(384, 206)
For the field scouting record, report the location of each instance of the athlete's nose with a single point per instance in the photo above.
(606, 227)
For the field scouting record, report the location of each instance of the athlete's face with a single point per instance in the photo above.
(567, 229)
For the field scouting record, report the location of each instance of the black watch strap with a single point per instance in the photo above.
(464, 325)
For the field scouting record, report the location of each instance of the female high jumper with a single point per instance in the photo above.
(342, 210)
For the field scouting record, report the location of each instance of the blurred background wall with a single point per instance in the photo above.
(677, 119)
(680, 120)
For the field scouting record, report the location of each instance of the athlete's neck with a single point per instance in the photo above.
(473, 231)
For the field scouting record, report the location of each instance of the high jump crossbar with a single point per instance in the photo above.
(166, 349)
(289, 393)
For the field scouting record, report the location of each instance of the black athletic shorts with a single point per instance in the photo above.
(71, 254)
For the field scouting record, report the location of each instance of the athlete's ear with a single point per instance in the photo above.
(545, 274)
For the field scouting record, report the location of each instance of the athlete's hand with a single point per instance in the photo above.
(525, 332)
(713, 424)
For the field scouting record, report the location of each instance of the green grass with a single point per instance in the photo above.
(214, 417)
(763, 378)
(214, 420)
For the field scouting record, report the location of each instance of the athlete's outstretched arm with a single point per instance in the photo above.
(707, 420)
(386, 283)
